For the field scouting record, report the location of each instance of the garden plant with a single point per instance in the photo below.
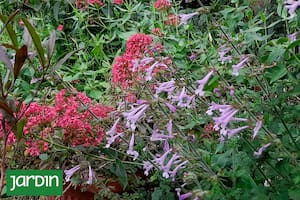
(157, 99)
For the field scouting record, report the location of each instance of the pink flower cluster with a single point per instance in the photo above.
(11, 137)
(162, 4)
(68, 115)
(126, 67)
(82, 4)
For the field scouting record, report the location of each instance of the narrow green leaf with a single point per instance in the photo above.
(9, 28)
(63, 60)
(19, 131)
(20, 58)
(36, 41)
(294, 44)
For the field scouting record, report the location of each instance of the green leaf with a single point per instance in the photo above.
(4, 190)
(43, 156)
(20, 126)
(12, 34)
(20, 58)
(276, 73)
(63, 60)
(294, 44)
(36, 41)
(294, 194)
(119, 170)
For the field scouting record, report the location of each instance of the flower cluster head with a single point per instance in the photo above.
(11, 138)
(71, 114)
(138, 62)
(162, 4)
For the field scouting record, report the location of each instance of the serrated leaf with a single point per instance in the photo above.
(63, 60)
(4, 58)
(36, 41)
(51, 45)
(119, 170)
(20, 58)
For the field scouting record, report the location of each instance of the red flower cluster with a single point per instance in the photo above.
(137, 44)
(11, 137)
(118, 2)
(127, 68)
(68, 116)
(162, 4)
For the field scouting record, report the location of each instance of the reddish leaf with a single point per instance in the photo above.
(20, 58)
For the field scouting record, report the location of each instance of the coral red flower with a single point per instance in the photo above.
(118, 2)
(60, 27)
(173, 20)
(99, 2)
(158, 32)
(162, 4)
(122, 71)
(138, 43)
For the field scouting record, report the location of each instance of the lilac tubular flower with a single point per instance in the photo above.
(168, 166)
(183, 196)
(193, 56)
(259, 152)
(291, 6)
(235, 131)
(130, 150)
(238, 66)
(178, 167)
(134, 115)
(293, 36)
(147, 167)
(161, 160)
(158, 135)
(70, 172)
(112, 139)
(257, 127)
(185, 17)
(224, 119)
(144, 61)
(171, 107)
(217, 91)
(149, 71)
(213, 106)
(168, 87)
(222, 51)
(113, 129)
(166, 146)
(202, 83)
(91, 176)
(169, 127)
(183, 100)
